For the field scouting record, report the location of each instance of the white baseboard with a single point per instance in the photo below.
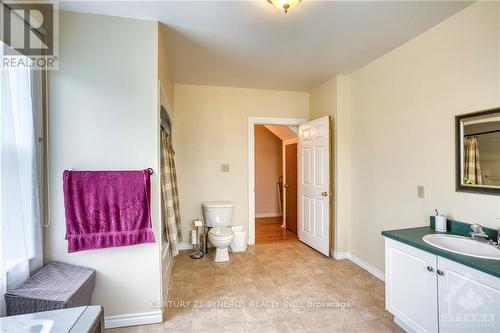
(360, 262)
(133, 319)
(340, 255)
(261, 215)
(367, 267)
(403, 325)
(185, 246)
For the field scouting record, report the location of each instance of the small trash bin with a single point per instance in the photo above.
(239, 242)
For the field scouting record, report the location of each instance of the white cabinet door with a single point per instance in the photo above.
(411, 286)
(469, 300)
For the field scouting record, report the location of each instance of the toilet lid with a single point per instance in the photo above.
(220, 231)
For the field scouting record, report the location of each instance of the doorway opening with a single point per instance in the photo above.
(313, 180)
(275, 222)
(275, 183)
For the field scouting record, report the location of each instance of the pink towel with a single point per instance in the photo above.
(107, 209)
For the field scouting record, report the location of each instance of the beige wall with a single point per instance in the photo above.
(333, 98)
(164, 70)
(103, 116)
(323, 102)
(268, 169)
(403, 108)
(211, 129)
(342, 135)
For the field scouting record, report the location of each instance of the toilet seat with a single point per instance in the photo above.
(221, 232)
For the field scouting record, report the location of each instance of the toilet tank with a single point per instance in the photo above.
(217, 213)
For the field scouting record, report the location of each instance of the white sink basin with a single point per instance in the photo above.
(463, 245)
(33, 326)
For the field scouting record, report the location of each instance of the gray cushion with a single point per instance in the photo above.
(56, 286)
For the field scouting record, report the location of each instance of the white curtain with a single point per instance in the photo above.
(20, 215)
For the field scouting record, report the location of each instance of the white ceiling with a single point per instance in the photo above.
(252, 44)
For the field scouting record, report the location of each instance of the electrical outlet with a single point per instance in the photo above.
(224, 168)
(420, 192)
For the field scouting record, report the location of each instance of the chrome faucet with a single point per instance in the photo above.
(478, 234)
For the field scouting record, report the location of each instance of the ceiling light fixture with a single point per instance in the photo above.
(284, 4)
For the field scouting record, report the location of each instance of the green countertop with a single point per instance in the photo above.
(413, 237)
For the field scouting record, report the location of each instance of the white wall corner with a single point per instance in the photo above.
(133, 319)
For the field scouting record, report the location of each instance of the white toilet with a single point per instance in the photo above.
(218, 215)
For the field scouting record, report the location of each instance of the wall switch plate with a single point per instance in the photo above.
(420, 192)
(224, 168)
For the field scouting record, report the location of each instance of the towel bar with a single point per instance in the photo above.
(151, 171)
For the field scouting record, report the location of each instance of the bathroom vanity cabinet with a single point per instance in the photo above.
(429, 293)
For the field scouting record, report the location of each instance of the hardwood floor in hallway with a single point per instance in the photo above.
(268, 230)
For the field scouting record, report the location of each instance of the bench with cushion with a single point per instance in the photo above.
(55, 286)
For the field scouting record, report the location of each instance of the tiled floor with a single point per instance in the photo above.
(272, 288)
(269, 230)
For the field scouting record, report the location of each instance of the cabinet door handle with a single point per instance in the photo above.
(430, 269)
(440, 272)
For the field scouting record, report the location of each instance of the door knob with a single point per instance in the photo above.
(325, 194)
(286, 185)
(440, 272)
(430, 269)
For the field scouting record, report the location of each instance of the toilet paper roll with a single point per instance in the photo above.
(194, 239)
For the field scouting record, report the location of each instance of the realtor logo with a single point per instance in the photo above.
(29, 34)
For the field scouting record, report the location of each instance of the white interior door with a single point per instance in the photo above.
(314, 184)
